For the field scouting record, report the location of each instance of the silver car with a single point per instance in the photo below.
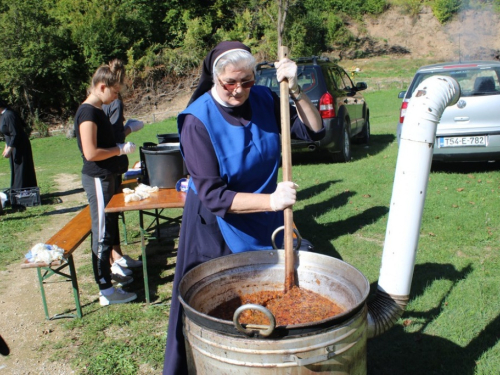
(469, 130)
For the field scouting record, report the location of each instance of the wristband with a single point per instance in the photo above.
(297, 94)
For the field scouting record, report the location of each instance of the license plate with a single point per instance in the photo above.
(476, 140)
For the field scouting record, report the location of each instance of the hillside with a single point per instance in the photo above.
(471, 35)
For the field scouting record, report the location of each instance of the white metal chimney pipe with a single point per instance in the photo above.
(413, 165)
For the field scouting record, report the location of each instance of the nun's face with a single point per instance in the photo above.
(233, 86)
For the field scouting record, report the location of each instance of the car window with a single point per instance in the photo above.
(347, 83)
(341, 79)
(308, 79)
(267, 77)
(306, 75)
(335, 78)
(473, 82)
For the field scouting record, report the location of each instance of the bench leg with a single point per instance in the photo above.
(74, 284)
(42, 292)
(144, 258)
(122, 215)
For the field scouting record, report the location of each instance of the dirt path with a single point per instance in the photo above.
(22, 323)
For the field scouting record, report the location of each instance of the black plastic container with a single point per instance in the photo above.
(164, 165)
(27, 197)
(168, 138)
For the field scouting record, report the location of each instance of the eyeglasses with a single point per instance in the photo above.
(233, 85)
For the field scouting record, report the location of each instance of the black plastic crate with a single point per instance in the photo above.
(27, 197)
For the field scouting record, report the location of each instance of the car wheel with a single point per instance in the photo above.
(345, 147)
(364, 136)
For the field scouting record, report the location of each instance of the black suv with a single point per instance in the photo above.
(343, 109)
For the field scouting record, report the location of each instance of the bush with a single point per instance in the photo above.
(409, 7)
(445, 9)
(375, 6)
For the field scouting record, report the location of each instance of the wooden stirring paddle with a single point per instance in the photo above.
(286, 153)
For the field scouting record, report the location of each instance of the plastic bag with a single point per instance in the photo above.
(44, 253)
(141, 192)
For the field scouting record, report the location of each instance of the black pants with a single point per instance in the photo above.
(99, 192)
(22, 169)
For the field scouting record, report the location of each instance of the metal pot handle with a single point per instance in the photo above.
(295, 230)
(248, 331)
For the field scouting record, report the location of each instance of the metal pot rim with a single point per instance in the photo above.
(291, 330)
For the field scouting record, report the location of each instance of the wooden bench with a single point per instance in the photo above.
(68, 238)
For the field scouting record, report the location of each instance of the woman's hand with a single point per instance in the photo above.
(308, 113)
(287, 69)
(134, 125)
(7, 152)
(126, 148)
(284, 196)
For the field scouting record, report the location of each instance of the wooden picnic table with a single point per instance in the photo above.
(158, 201)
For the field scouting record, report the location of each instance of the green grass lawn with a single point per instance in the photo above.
(452, 323)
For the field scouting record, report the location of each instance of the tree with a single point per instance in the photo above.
(38, 61)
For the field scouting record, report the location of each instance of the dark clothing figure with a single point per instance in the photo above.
(22, 167)
(114, 111)
(228, 150)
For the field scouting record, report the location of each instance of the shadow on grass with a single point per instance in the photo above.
(58, 194)
(378, 143)
(65, 210)
(465, 168)
(55, 198)
(7, 212)
(322, 235)
(412, 353)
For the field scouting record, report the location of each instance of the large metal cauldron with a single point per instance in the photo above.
(332, 346)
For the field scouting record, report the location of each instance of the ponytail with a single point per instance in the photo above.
(110, 74)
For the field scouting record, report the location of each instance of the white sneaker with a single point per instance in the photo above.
(118, 296)
(119, 270)
(128, 262)
(121, 280)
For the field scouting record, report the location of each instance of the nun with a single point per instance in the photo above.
(230, 140)
(17, 149)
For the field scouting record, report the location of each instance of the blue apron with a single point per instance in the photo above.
(249, 159)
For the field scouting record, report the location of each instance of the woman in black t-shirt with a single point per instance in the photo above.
(100, 168)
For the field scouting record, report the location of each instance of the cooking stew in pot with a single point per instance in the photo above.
(298, 306)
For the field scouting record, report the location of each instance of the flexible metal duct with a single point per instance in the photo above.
(413, 166)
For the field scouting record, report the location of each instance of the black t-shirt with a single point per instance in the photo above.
(105, 139)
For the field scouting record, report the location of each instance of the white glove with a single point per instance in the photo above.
(134, 125)
(284, 196)
(126, 148)
(287, 69)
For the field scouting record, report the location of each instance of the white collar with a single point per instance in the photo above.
(218, 99)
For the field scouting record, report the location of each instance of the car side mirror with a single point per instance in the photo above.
(361, 86)
(402, 94)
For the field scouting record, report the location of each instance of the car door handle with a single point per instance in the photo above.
(461, 118)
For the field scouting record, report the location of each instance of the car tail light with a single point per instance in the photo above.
(327, 106)
(402, 114)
